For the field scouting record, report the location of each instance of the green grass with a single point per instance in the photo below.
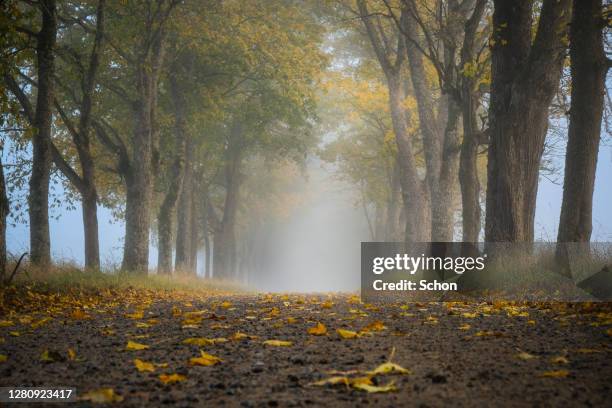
(66, 277)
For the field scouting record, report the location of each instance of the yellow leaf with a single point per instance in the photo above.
(15, 333)
(171, 378)
(142, 366)
(375, 388)
(78, 314)
(555, 374)
(318, 330)
(142, 325)
(3, 358)
(205, 359)
(6, 323)
(46, 356)
(559, 360)
(327, 304)
(226, 304)
(199, 341)
(136, 315)
(347, 334)
(389, 368)
(36, 325)
(71, 354)
(469, 315)
(277, 343)
(465, 327)
(132, 345)
(375, 326)
(242, 336)
(525, 356)
(291, 320)
(332, 381)
(102, 396)
(609, 332)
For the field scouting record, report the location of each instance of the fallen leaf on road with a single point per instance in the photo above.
(375, 388)
(318, 330)
(525, 356)
(205, 359)
(278, 343)
(143, 366)
(347, 334)
(559, 360)
(555, 374)
(389, 368)
(132, 345)
(171, 378)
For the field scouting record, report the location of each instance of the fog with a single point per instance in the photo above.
(318, 247)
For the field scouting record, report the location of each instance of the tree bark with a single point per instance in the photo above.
(85, 183)
(38, 199)
(415, 194)
(184, 215)
(138, 177)
(194, 244)
(393, 222)
(589, 66)
(441, 148)
(468, 170)
(166, 212)
(4, 211)
(224, 257)
(525, 76)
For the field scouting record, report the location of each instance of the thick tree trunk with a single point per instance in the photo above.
(38, 199)
(4, 211)
(224, 257)
(184, 216)
(194, 245)
(441, 148)
(139, 177)
(468, 170)
(392, 227)
(90, 229)
(165, 218)
(524, 80)
(415, 194)
(589, 66)
(138, 202)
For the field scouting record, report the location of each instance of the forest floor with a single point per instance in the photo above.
(136, 346)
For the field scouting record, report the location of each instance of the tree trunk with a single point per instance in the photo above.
(166, 211)
(90, 228)
(38, 199)
(393, 222)
(194, 245)
(207, 254)
(525, 77)
(224, 257)
(184, 216)
(468, 170)
(415, 194)
(589, 66)
(4, 211)
(139, 177)
(441, 148)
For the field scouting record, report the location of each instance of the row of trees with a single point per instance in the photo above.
(156, 109)
(472, 88)
(161, 110)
